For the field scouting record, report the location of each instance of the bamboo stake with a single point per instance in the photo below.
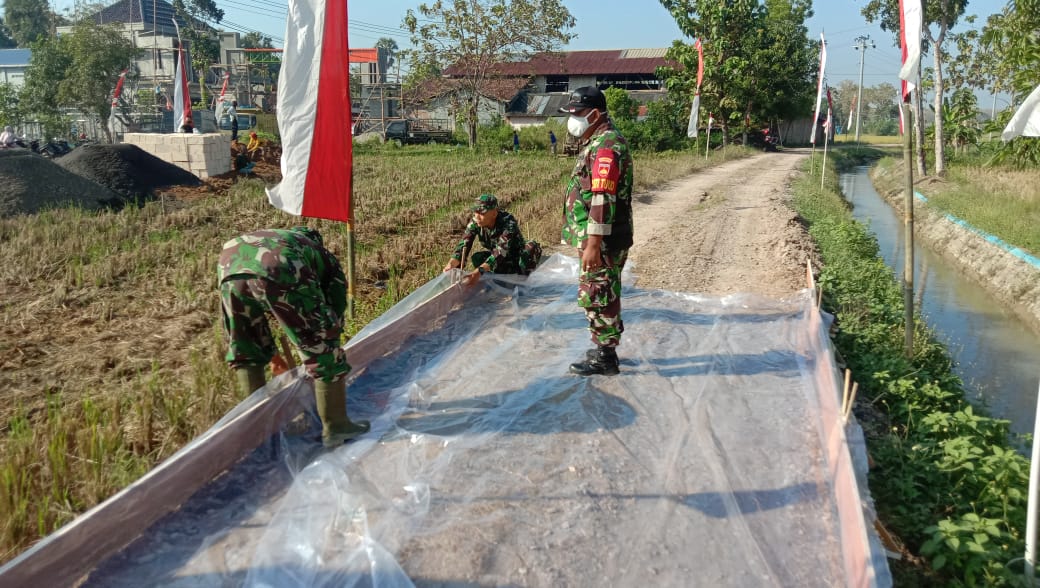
(852, 401)
(845, 390)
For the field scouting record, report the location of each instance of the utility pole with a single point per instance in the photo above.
(861, 45)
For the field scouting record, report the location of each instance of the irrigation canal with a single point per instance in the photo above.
(995, 355)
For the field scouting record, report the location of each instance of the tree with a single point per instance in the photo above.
(48, 66)
(9, 111)
(473, 36)
(6, 42)
(28, 20)
(78, 70)
(758, 62)
(943, 15)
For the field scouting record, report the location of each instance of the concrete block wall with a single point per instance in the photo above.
(205, 155)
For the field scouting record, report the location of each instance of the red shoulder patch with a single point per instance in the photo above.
(605, 171)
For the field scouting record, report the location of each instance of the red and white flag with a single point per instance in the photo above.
(1026, 121)
(911, 23)
(819, 87)
(314, 113)
(119, 88)
(691, 128)
(181, 94)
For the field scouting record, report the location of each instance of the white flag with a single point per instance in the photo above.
(1026, 121)
(181, 96)
(819, 88)
(911, 21)
(691, 128)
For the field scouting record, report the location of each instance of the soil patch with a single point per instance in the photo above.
(126, 169)
(30, 183)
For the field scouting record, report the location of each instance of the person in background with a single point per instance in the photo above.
(516, 142)
(505, 250)
(597, 218)
(233, 113)
(552, 142)
(289, 274)
(253, 144)
(8, 137)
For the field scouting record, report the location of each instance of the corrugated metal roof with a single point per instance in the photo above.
(133, 11)
(610, 62)
(14, 57)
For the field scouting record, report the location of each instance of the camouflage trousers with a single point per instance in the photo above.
(309, 322)
(599, 293)
(530, 255)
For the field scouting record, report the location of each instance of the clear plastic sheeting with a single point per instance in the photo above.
(708, 461)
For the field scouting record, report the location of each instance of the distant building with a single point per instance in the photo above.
(529, 92)
(13, 63)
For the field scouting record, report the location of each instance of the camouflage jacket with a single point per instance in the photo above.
(287, 257)
(599, 193)
(504, 240)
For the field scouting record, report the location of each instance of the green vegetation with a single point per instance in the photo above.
(110, 336)
(945, 478)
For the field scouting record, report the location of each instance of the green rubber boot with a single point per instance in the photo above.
(250, 378)
(336, 426)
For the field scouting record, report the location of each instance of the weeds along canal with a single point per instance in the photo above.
(995, 355)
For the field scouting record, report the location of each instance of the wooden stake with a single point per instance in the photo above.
(852, 400)
(845, 390)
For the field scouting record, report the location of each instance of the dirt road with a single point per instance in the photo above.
(724, 230)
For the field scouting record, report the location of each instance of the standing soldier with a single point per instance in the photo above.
(597, 219)
(505, 251)
(291, 275)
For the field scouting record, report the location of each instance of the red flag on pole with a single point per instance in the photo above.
(314, 113)
(119, 88)
(691, 127)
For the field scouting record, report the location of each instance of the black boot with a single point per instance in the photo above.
(601, 360)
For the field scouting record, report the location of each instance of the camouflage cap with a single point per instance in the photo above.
(484, 203)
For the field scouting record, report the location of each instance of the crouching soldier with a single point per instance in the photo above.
(289, 274)
(505, 251)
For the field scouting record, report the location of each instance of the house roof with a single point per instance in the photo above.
(140, 11)
(14, 57)
(501, 89)
(606, 62)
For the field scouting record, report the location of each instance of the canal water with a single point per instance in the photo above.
(996, 356)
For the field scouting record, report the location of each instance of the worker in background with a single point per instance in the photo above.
(505, 250)
(597, 217)
(289, 274)
(516, 142)
(253, 144)
(552, 142)
(233, 113)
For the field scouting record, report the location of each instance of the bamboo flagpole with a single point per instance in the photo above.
(826, 136)
(911, 21)
(314, 121)
(819, 99)
(1034, 487)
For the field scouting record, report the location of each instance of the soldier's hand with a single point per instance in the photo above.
(471, 278)
(591, 259)
(454, 263)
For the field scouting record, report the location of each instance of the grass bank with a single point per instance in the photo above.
(1001, 201)
(111, 349)
(946, 478)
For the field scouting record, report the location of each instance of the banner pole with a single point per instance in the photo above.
(908, 229)
(350, 269)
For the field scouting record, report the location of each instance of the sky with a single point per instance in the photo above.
(612, 24)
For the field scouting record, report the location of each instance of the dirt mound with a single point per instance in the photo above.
(126, 169)
(30, 183)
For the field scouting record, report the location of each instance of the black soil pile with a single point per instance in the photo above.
(126, 169)
(30, 183)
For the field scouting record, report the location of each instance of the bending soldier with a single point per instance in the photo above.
(291, 275)
(505, 251)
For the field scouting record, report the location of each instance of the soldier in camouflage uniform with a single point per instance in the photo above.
(289, 274)
(505, 251)
(597, 219)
